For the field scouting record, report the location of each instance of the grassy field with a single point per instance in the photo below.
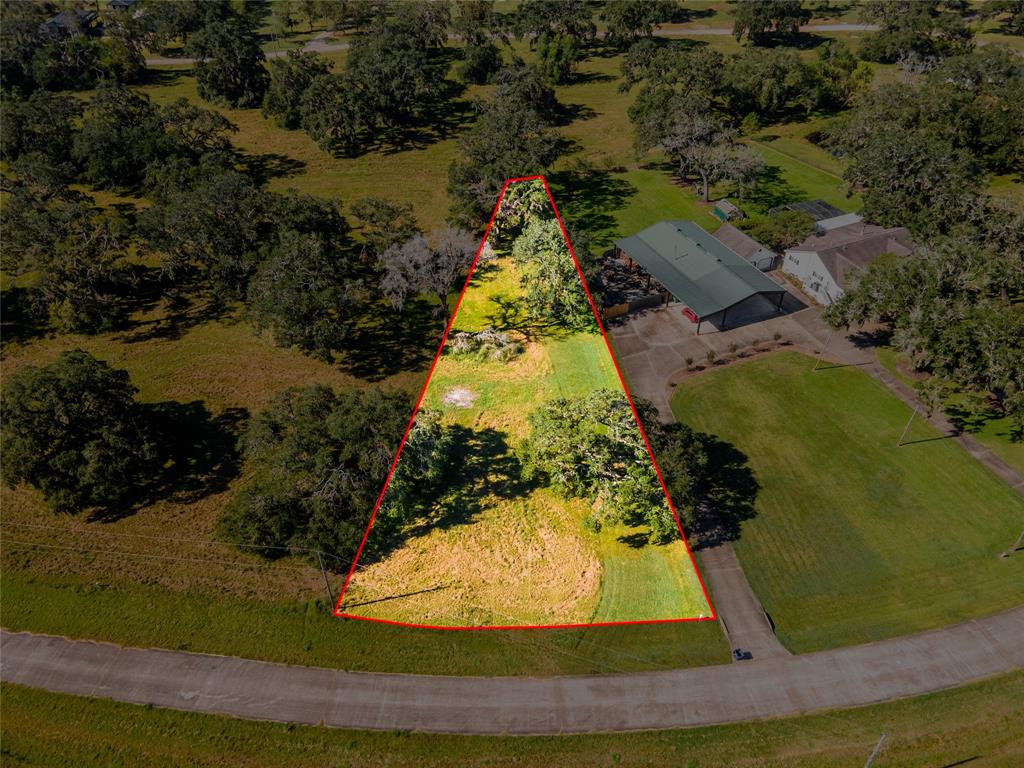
(979, 725)
(855, 539)
(497, 550)
(196, 358)
(994, 432)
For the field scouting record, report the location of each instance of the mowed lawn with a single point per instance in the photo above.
(501, 551)
(855, 539)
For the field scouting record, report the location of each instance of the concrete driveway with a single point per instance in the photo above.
(652, 345)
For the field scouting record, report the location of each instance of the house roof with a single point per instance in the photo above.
(854, 246)
(838, 221)
(695, 267)
(816, 209)
(739, 242)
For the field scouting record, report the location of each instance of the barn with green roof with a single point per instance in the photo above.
(700, 271)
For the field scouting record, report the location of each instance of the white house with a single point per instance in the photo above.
(839, 246)
(748, 248)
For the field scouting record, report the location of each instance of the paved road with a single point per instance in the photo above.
(740, 613)
(847, 677)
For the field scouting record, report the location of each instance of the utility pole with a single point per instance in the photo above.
(899, 443)
(327, 582)
(1015, 547)
(876, 751)
(822, 350)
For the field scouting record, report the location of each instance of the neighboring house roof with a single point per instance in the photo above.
(854, 246)
(695, 267)
(816, 209)
(70, 23)
(739, 242)
(825, 225)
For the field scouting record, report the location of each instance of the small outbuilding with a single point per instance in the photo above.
(726, 211)
(701, 272)
(746, 247)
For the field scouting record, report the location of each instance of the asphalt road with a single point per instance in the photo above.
(774, 687)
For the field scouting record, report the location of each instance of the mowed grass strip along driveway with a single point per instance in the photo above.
(855, 539)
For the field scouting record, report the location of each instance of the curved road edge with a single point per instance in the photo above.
(845, 677)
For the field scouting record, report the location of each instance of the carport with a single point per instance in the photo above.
(699, 270)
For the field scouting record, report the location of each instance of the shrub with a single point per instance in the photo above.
(487, 344)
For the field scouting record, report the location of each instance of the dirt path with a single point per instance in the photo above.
(846, 677)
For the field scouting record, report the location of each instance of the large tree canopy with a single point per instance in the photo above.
(317, 462)
(509, 139)
(589, 446)
(229, 63)
(766, 21)
(915, 27)
(952, 307)
(73, 430)
(553, 290)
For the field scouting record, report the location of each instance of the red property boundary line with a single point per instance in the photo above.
(405, 436)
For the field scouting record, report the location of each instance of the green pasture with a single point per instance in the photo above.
(855, 539)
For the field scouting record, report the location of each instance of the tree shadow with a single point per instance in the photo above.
(197, 456)
(166, 77)
(638, 540)
(512, 316)
(567, 114)
(269, 165)
(772, 190)
(382, 343)
(183, 312)
(730, 493)
(482, 467)
(593, 196)
(870, 339)
(21, 320)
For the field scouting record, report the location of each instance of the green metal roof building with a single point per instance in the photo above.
(698, 269)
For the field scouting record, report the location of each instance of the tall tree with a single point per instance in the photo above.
(73, 430)
(553, 290)
(305, 286)
(914, 180)
(332, 112)
(317, 461)
(384, 223)
(768, 21)
(480, 27)
(122, 132)
(626, 21)
(229, 63)
(509, 139)
(427, 265)
(918, 27)
(74, 253)
(212, 226)
(43, 122)
(289, 78)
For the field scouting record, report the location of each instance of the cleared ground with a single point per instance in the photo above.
(498, 550)
(855, 539)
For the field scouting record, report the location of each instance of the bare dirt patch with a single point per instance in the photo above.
(459, 397)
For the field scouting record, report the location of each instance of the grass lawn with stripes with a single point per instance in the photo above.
(856, 539)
